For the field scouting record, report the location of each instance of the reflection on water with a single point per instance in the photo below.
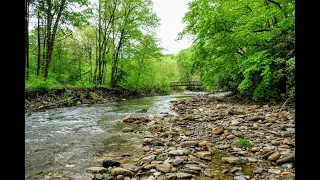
(65, 140)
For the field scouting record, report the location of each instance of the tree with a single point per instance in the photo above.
(236, 41)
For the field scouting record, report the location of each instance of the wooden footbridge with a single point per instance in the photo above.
(188, 83)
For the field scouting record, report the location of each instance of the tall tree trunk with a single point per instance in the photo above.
(39, 46)
(115, 61)
(51, 38)
(26, 68)
(90, 62)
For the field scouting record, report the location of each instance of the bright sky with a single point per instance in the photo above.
(171, 13)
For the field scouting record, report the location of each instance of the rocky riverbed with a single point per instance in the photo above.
(212, 137)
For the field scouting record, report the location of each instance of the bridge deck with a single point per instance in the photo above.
(189, 83)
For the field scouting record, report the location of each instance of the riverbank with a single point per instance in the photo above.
(42, 99)
(212, 137)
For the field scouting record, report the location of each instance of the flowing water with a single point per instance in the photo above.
(63, 142)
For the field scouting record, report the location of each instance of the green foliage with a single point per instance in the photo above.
(243, 46)
(244, 143)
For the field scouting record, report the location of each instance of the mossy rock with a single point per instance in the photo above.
(92, 96)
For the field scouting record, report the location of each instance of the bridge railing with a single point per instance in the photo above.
(187, 83)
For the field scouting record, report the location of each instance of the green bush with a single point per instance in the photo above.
(244, 143)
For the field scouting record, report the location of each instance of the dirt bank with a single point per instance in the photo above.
(42, 99)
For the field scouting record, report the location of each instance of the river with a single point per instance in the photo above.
(63, 142)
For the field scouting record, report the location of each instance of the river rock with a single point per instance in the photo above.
(120, 177)
(235, 169)
(274, 156)
(165, 167)
(286, 159)
(286, 134)
(95, 170)
(221, 106)
(256, 118)
(235, 122)
(225, 146)
(239, 178)
(176, 152)
(177, 161)
(149, 166)
(231, 160)
(204, 155)
(98, 176)
(149, 158)
(237, 133)
(274, 171)
(188, 143)
(110, 163)
(218, 130)
(121, 171)
(182, 175)
(130, 167)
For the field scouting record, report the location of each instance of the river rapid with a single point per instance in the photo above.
(63, 142)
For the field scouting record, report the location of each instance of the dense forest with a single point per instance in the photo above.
(246, 46)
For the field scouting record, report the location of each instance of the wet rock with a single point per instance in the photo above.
(182, 175)
(127, 129)
(231, 160)
(126, 119)
(121, 171)
(95, 170)
(109, 163)
(165, 167)
(147, 140)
